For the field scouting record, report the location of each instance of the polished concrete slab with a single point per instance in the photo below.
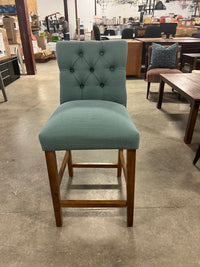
(166, 228)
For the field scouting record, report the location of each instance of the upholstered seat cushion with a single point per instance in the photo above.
(153, 75)
(89, 124)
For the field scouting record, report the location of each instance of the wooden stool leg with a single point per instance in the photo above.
(54, 185)
(70, 168)
(148, 89)
(119, 168)
(197, 156)
(130, 184)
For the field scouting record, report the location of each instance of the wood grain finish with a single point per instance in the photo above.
(55, 180)
(187, 85)
(93, 203)
(70, 168)
(95, 165)
(123, 164)
(130, 185)
(63, 166)
(134, 58)
(54, 185)
(119, 167)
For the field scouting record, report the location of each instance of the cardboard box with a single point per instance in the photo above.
(4, 45)
(185, 32)
(186, 23)
(49, 37)
(44, 54)
(41, 42)
(12, 29)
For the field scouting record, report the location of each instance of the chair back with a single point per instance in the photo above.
(178, 55)
(128, 33)
(196, 35)
(92, 70)
(96, 32)
(107, 32)
(152, 32)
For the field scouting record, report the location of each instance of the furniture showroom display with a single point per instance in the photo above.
(153, 74)
(188, 45)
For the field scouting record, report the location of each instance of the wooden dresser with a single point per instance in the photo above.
(134, 58)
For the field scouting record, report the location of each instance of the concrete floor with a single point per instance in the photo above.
(166, 228)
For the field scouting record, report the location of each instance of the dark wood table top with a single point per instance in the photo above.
(170, 40)
(187, 83)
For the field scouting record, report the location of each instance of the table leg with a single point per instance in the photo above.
(191, 123)
(182, 63)
(194, 64)
(191, 65)
(160, 95)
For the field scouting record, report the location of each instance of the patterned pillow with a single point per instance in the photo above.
(163, 57)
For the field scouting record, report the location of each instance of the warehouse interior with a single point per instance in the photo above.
(166, 222)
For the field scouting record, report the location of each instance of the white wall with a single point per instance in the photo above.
(47, 7)
(128, 10)
(72, 18)
(86, 11)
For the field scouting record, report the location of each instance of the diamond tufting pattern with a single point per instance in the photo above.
(92, 70)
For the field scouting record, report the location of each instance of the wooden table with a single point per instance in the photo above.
(190, 58)
(187, 85)
(188, 45)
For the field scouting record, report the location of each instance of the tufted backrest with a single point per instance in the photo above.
(92, 70)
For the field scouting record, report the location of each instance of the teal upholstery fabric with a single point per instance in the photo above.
(162, 57)
(89, 124)
(92, 114)
(92, 70)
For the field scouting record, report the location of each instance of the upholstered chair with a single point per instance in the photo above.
(152, 32)
(92, 116)
(161, 60)
(109, 32)
(128, 33)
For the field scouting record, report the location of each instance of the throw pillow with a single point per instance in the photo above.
(163, 57)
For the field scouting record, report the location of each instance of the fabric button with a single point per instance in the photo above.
(101, 53)
(80, 53)
(112, 68)
(71, 70)
(91, 69)
(102, 85)
(81, 85)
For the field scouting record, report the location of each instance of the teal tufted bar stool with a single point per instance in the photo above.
(92, 115)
